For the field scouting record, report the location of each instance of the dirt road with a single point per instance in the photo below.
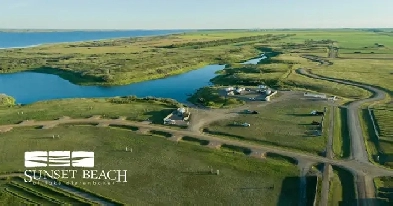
(365, 187)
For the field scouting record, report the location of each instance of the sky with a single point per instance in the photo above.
(195, 14)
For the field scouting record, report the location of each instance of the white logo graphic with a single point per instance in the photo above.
(59, 159)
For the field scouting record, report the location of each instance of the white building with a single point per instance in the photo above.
(229, 89)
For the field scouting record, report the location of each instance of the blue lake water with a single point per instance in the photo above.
(29, 87)
(25, 39)
(255, 60)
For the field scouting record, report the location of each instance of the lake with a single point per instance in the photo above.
(255, 60)
(30, 87)
(26, 39)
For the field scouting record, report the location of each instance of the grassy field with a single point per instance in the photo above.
(285, 123)
(84, 108)
(161, 171)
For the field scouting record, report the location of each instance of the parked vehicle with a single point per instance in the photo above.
(315, 123)
(246, 124)
(317, 113)
(254, 112)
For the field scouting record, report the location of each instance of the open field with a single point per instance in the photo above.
(284, 123)
(82, 108)
(160, 171)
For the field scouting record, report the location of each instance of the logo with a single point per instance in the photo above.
(76, 159)
(59, 159)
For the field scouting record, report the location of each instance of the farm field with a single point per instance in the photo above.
(158, 170)
(284, 123)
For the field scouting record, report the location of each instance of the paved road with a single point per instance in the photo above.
(365, 186)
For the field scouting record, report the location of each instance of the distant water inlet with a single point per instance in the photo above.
(255, 60)
(27, 39)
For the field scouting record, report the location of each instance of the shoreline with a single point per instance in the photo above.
(70, 42)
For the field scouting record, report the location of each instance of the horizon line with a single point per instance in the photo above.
(256, 28)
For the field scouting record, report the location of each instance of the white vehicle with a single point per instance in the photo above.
(246, 124)
(169, 121)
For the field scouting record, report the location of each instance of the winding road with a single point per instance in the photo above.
(364, 184)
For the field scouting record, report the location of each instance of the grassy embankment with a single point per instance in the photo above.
(342, 189)
(128, 60)
(6, 100)
(341, 139)
(174, 173)
(136, 110)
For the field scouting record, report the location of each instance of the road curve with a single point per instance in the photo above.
(365, 185)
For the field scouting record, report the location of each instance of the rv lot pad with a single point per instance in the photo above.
(281, 123)
(161, 171)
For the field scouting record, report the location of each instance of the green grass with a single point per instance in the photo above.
(83, 108)
(157, 166)
(6, 100)
(284, 123)
(341, 139)
(384, 187)
(342, 187)
(335, 190)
